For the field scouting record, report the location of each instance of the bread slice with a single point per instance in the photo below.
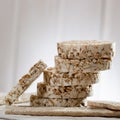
(65, 92)
(25, 82)
(104, 104)
(85, 65)
(54, 78)
(83, 49)
(54, 102)
(61, 111)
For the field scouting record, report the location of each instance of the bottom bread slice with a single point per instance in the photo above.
(56, 102)
(62, 111)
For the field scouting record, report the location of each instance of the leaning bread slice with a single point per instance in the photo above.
(80, 49)
(25, 82)
(104, 104)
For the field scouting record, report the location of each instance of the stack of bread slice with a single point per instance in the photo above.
(77, 68)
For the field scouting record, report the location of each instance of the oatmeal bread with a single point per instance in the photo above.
(24, 83)
(48, 91)
(104, 104)
(63, 111)
(54, 78)
(85, 65)
(77, 49)
(54, 102)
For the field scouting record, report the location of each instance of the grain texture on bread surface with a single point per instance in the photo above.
(82, 49)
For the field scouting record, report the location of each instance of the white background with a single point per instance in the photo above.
(30, 29)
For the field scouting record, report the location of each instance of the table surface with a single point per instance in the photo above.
(26, 117)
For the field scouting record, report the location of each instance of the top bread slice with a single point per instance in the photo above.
(82, 49)
(25, 82)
